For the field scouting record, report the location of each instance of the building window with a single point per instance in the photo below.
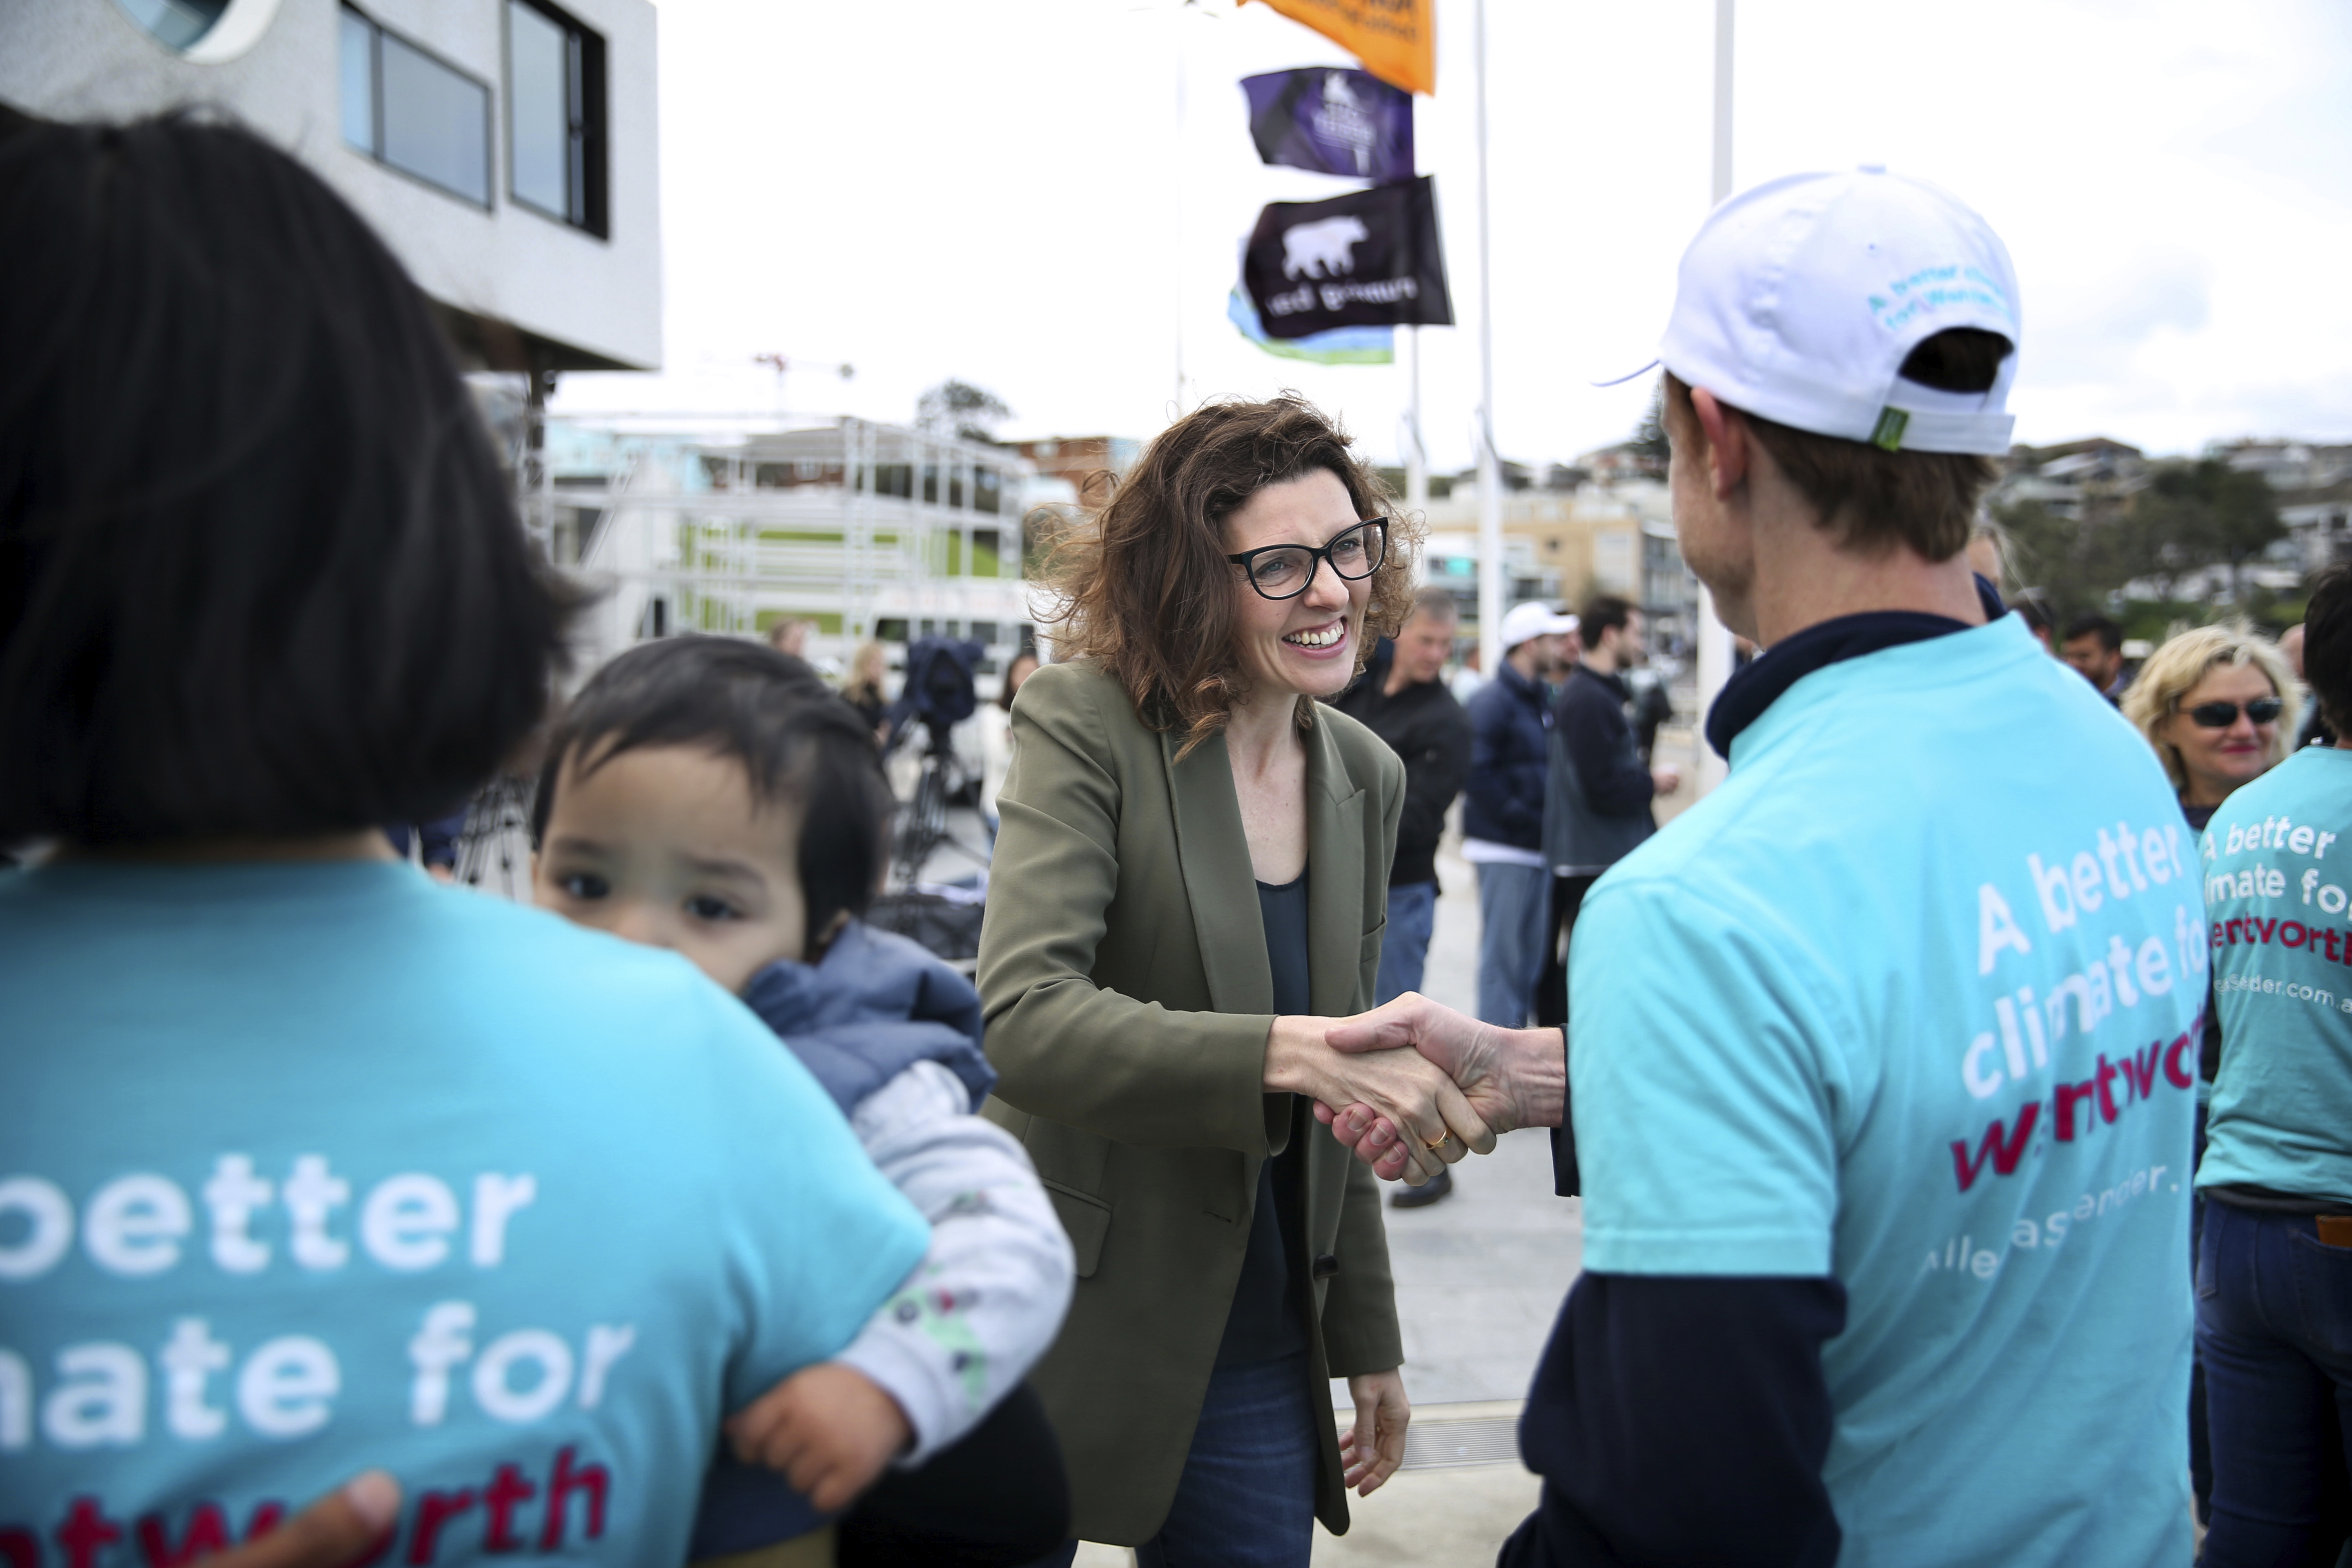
(555, 116)
(410, 110)
(176, 24)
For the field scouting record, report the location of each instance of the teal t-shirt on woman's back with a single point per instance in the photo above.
(2278, 871)
(306, 1169)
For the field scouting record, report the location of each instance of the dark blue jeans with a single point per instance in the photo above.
(1514, 917)
(1404, 946)
(1247, 1496)
(2274, 1333)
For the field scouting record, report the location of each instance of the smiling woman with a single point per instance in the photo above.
(2217, 704)
(1149, 592)
(1210, 849)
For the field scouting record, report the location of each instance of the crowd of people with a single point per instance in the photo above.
(688, 1216)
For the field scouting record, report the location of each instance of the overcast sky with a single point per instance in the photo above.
(1047, 197)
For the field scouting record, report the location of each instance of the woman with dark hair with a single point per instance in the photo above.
(1209, 852)
(344, 1166)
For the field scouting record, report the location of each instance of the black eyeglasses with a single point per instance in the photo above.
(1284, 570)
(2221, 715)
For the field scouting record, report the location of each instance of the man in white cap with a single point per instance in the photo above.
(1881, 1062)
(1502, 826)
(1502, 811)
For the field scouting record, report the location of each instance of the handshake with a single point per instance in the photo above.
(1412, 1086)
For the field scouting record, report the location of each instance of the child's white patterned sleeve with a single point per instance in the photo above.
(989, 1296)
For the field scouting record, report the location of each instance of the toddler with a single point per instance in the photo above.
(713, 797)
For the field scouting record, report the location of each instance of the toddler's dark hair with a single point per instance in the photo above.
(766, 709)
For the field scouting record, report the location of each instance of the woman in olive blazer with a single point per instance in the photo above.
(1128, 980)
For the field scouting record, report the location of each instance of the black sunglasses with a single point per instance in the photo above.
(2221, 715)
(1284, 570)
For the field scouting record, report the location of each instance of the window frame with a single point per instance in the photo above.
(587, 177)
(377, 32)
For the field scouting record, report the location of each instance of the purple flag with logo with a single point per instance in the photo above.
(1333, 122)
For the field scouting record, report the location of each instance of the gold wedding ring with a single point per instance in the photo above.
(1443, 1139)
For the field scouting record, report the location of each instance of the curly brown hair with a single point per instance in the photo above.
(1146, 590)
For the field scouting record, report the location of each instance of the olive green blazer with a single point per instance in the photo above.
(1123, 970)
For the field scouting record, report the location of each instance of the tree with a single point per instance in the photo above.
(1649, 440)
(2210, 512)
(2190, 515)
(957, 407)
(2073, 565)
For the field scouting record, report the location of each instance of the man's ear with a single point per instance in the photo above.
(1727, 442)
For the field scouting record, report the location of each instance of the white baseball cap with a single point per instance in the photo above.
(1533, 620)
(1800, 299)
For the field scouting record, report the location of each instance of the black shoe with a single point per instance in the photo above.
(1430, 1192)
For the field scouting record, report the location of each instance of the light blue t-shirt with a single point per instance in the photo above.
(309, 1169)
(2278, 869)
(1909, 1001)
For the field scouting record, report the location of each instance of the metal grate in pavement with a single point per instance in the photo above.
(1478, 1440)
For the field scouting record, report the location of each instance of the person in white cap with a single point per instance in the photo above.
(1502, 827)
(1501, 810)
(1882, 1056)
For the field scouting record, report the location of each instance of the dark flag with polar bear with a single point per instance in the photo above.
(1333, 122)
(1370, 258)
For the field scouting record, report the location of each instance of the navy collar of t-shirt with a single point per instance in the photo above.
(1748, 693)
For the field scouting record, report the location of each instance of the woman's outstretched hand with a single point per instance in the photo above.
(1510, 1077)
(1398, 1086)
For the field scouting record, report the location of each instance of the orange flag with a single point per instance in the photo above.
(1396, 39)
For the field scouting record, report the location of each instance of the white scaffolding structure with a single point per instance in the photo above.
(868, 530)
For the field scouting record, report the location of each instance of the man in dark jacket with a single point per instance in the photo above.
(1402, 699)
(1597, 794)
(1502, 813)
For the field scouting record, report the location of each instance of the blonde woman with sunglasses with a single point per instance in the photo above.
(2219, 705)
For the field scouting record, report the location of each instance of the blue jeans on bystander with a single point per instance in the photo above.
(2274, 1334)
(1513, 918)
(1404, 946)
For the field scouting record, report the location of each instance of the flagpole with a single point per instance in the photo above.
(1178, 255)
(1490, 477)
(1712, 637)
(1416, 456)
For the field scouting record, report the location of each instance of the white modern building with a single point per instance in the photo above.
(504, 149)
(868, 531)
